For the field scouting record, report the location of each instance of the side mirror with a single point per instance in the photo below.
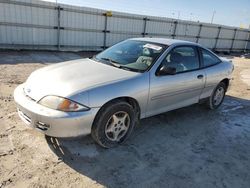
(164, 70)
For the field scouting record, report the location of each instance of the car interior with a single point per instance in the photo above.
(183, 59)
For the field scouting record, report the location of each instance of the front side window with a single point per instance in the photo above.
(208, 58)
(184, 58)
(132, 55)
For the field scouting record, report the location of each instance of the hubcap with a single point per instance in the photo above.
(117, 126)
(219, 94)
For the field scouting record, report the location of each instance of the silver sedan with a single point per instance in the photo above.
(107, 94)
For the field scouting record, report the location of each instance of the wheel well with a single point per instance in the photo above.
(226, 82)
(133, 102)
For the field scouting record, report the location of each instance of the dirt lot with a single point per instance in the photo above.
(189, 147)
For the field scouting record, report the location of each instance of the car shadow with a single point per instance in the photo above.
(171, 149)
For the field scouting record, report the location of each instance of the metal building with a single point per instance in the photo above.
(33, 24)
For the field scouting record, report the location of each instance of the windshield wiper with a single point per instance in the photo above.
(118, 65)
(110, 60)
(130, 69)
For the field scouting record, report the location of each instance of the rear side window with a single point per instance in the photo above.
(209, 59)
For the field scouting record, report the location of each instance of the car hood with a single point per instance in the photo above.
(65, 79)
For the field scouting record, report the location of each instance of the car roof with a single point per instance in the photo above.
(165, 41)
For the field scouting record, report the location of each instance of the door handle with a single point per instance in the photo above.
(200, 76)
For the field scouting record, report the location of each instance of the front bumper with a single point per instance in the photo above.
(53, 122)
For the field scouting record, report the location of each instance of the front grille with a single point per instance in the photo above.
(24, 116)
(26, 95)
(42, 126)
(30, 98)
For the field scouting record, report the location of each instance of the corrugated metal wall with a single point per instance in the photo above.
(32, 24)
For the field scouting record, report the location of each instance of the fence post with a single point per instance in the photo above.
(233, 39)
(105, 31)
(174, 31)
(58, 8)
(247, 42)
(145, 26)
(217, 38)
(199, 34)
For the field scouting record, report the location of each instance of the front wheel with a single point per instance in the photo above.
(217, 97)
(113, 124)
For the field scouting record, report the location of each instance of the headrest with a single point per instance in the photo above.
(176, 57)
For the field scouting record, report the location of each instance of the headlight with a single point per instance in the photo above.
(63, 104)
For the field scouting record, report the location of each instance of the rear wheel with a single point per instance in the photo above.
(217, 97)
(113, 124)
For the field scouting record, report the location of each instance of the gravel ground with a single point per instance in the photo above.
(189, 147)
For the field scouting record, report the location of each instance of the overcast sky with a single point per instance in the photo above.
(227, 12)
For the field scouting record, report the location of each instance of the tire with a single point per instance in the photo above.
(113, 124)
(220, 92)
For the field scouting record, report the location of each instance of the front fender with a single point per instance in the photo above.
(135, 87)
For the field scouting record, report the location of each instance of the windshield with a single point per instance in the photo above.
(132, 55)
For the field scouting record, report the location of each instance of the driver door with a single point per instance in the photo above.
(168, 92)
